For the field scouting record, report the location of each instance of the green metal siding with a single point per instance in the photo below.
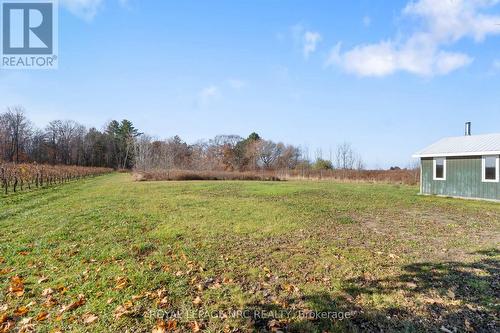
(463, 179)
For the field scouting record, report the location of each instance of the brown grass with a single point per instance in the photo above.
(203, 175)
(403, 176)
(409, 177)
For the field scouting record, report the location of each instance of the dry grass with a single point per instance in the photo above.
(204, 175)
(403, 176)
(408, 177)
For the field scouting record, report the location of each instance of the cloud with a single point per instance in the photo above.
(311, 40)
(440, 24)
(88, 9)
(208, 95)
(306, 39)
(385, 58)
(85, 9)
(124, 3)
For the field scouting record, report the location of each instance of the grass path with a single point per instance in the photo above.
(115, 254)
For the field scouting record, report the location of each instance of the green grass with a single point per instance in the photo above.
(393, 260)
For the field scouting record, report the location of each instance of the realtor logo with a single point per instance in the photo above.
(29, 34)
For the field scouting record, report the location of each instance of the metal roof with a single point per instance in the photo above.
(473, 145)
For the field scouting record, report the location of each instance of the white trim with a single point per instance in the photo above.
(444, 154)
(434, 168)
(483, 169)
(421, 177)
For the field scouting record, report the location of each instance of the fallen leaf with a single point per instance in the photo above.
(24, 253)
(26, 321)
(160, 293)
(16, 286)
(290, 288)
(121, 282)
(163, 302)
(62, 289)
(26, 326)
(197, 300)
(7, 326)
(89, 318)
(109, 301)
(43, 279)
(42, 316)
(123, 310)
(4, 271)
(171, 325)
(47, 292)
(3, 318)
(50, 302)
(79, 302)
(21, 311)
(160, 327)
(30, 304)
(195, 327)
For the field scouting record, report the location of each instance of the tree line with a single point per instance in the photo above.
(120, 145)
(235, 153)
(66, 142)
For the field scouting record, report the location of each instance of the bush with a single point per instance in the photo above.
(203, 175)
(322, 164)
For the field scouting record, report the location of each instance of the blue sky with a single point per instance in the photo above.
(388, 76)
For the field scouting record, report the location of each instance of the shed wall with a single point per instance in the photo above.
(463, 179)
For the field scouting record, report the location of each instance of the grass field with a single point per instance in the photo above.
(109, 254)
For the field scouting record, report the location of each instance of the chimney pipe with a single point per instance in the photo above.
(468, 128)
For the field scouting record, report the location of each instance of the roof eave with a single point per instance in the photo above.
(464, 154)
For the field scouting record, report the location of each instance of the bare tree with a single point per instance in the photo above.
(268, 153)
(16, 130)
(345, 157)
(289, 157)
(144, 158)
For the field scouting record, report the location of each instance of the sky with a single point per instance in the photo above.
(390, 77)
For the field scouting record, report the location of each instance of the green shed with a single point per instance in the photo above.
(463, 167)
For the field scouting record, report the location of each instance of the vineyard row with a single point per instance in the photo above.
(19, 177)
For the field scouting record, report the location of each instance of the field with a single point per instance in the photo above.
(107, 254)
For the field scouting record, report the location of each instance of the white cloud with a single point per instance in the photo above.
(124, 3)
(307, 40)
(85, 9)
(440, 24)
(208, 95)
(311, 40)
(88, 9)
